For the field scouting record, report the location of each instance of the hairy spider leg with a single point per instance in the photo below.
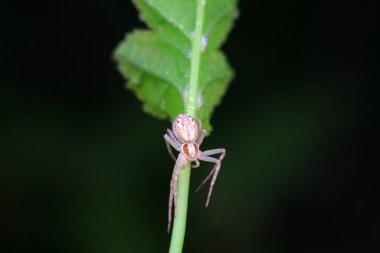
(201, 137)
(196, 165)
(173, 142)
(205, 156)
(172, 135)
(181, 162)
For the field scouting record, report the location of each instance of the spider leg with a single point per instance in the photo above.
(213, 160)
(221, 151)
(180, 163)
(172, 142)
(170, 208)
(205, 156)
(196, 165)
(170, 132)
(201, 137)
(207, 178)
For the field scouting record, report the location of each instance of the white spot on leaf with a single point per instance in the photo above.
(185, 92)
(200, 100)
(189, 54)
(204, 43)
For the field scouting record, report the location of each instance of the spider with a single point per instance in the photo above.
(186, 138)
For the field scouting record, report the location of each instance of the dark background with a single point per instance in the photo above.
(84, 169)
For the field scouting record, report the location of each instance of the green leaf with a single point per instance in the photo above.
(156, 62)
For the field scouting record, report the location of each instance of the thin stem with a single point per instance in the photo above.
(178, 234)
(179, 226)
(192, 98)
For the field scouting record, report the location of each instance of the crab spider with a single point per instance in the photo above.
(186, 138)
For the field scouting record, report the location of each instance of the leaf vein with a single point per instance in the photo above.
(169, 20)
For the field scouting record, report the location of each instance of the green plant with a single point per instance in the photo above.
(176, 67)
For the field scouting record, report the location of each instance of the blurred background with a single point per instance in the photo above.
(84, 169)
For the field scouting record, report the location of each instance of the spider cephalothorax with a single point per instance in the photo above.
(190, 150)
(186, 138)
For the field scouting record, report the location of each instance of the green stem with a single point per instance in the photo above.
(192, 98)
(179, 226)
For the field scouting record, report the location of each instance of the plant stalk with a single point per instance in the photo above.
(179, 225)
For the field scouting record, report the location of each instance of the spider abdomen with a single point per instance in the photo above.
(190, 150)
